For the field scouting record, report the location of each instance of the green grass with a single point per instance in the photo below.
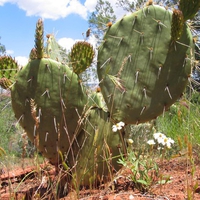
(10, 132)
(182, 119)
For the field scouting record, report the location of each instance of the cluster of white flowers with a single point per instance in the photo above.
(162, 139)
(118, 126)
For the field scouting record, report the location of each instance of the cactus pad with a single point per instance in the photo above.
(5, 83)
(141, 71)
(96, 151)
(82, 55)
(189, 8)
(8, 67)
(49, 107)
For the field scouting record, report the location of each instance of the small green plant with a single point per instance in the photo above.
(144, 170)
(143, 164)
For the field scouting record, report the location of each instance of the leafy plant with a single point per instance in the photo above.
(144, 170)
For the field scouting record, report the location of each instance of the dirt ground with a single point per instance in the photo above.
(183, 182)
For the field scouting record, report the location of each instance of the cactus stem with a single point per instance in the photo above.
(47, 66)
(145, 92)
(46, 92)
(108, 60)
(55, 125)
(63, 103)
(167, 89)
(143, 109)
(136, 76)
(46, 136)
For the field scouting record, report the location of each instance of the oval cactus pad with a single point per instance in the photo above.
(141, 70)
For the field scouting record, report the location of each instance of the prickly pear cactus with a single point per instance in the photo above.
(48, 101)
(143, 70)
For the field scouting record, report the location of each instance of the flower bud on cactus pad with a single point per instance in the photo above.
(8, 67)
(82, 55)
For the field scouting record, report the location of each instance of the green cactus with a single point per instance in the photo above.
(189, 8)
(54, 50)
(143, 67)
(51, 102)
(96, 151)
(5, 83)
(142, 70)
(9, 68)
(82, 55)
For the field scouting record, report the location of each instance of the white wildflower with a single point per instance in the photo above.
(118, 126)
(169, 142)
(151, 142)
(130, 141)
(160, 137)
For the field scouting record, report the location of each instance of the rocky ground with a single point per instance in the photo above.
(183, 182)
